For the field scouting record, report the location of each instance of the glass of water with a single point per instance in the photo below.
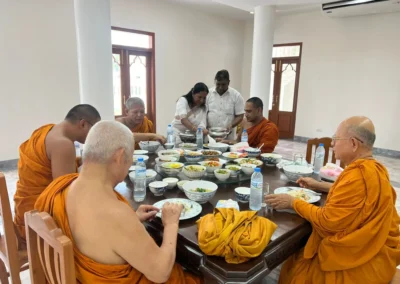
(265, 193)
(298, 159)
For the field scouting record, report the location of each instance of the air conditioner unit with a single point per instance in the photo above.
(360, 7)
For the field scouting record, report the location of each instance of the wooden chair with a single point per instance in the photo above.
(50, 252)
(327, 145)
(13, 254)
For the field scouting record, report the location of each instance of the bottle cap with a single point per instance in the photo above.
(244, 130)
(169, 125)
(257, 170)
(199, 128)
(140, 159)
(321, 144)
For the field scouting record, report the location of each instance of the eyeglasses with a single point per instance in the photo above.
(334, 138)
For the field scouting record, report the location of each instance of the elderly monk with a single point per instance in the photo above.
(111, 245)
(138, 123)
(259, 129)
(48, 154)
(355, 237)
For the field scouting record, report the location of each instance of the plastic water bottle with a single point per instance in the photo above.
(319, 158)
(139, 191)
(256, 190)
(199, 138)
(245, 136)
(170, 134)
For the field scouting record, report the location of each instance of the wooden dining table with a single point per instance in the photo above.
(290, 236)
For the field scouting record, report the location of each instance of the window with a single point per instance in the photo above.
(133, 69)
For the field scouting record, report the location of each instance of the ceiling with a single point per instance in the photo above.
(240, 9)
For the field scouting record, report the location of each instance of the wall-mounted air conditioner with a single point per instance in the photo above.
(360, 7)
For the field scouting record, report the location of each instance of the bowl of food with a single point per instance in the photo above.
(172, 168)
(271, 159)
(248, 169)
(150, 176)
(181, 183)
(188, 146)
(211, 166)
(194, 171)
(171, 182)
(230, 156)
(140, 152)
(192, 156)
(200, 191)
(242, 194)
(169, 145)
(170, 153)
(166, 159)
(234, 170)
(253, 161)
(188, 136)
(158, 187)
(136, 158)
(150, 146)
(211, 153)
(252, 152)
(222, 174)
(294, 172)
(218, 132)
(222, 147)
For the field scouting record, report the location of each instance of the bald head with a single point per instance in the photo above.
(83, 111)
(132, 102)
(362, 128)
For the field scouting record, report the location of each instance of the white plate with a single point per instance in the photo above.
(314, 196)
(254, 161)
(195, 208)
(140, 152)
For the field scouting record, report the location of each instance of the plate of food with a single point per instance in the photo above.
(234, 155)
(211, 153)
(302, 193)
(252, 161)
(190, 208)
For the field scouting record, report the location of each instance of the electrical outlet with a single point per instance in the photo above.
(319, 130)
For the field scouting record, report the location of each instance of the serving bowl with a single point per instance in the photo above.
(192, 156)
(248, 169)
(252, 152)
(211, 153)
(150, 176)
(242, 194)
(165, 159)
(158, 187)
(194, 171)
(188, 136)
(222, 174)
(211, 166)
(234, 170)
(150, 146)
(170, 153)
(192, 188)
(171, 182)
(230, 156)
(181, 183)
(218, 132)
(294, 172)
(188, 146)
(172, 168)
(271, 159)
(222, 147)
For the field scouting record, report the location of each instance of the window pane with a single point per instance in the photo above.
(130, 39)
(138, 77)
(286, 51)
(116, 60)
(271, 87)
(288, 82)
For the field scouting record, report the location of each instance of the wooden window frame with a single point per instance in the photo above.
(151, 79)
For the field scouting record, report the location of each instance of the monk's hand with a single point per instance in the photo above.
(280, 201)
(171, 213)
(308, 182)
(160, 138)
(146, 212)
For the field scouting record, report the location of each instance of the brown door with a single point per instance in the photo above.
(283, 94)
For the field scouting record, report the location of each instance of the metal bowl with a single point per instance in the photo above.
(218, 132)
(188, 137)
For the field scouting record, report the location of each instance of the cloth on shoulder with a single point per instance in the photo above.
(34, 173)
(355, 236)
(146, 126)
(53, 201)
(237, 236)
(265, 132)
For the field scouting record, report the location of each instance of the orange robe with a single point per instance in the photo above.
(237, 236)
(145, 127)
(53, 200)
(355, 236)
(34, 171)
(265, 132)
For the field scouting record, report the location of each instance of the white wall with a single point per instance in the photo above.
(350, 66)
(38, 68)
(190, 47)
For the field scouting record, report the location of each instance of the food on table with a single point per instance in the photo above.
(210, 153)
(233, 168)
(174, 166)
(222, 172)
(194, 168)
(299, 193)
(199, 189)
(169, 154)
(212, 159)
(247, 165)
(194, 154)
(250, 161)
(211, 164)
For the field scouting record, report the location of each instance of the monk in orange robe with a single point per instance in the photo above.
(259, 129)
(48, 154)
(111, 245)
(135, 119)
(355, 237)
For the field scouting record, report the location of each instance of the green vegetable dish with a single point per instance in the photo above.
(201, 190)
(222, 172)
(233, 168)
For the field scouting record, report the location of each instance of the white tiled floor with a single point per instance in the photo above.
(285, 147)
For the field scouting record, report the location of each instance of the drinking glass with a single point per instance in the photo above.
(265, 193)
(298, 159)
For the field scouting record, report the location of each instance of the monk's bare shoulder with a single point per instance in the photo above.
(60, 145)
(119, 213)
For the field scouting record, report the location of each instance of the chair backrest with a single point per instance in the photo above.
(50, 252)
(11, 258)
(312, 146)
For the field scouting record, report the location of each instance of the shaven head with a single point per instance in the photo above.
(253, 109)
(83, 111)
(132, 102)
(135, 110)
(105, 139)
(362, 128)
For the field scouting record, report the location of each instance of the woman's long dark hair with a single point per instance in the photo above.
(199, 87)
